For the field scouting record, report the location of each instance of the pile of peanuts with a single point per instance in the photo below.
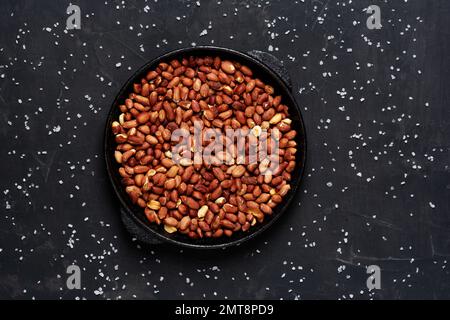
(201, 200)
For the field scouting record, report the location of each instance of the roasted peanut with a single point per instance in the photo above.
(224, 194)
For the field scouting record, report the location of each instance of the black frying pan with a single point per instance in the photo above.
(264, 66)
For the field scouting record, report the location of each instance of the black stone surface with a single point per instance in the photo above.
(376, 189)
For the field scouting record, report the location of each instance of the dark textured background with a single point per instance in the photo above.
(376, 189)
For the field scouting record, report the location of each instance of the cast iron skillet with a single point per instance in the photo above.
(264, 66)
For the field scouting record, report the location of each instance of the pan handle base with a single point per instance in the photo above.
(274, 63)
(137, 231)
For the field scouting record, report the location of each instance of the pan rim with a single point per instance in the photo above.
(239, 56)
